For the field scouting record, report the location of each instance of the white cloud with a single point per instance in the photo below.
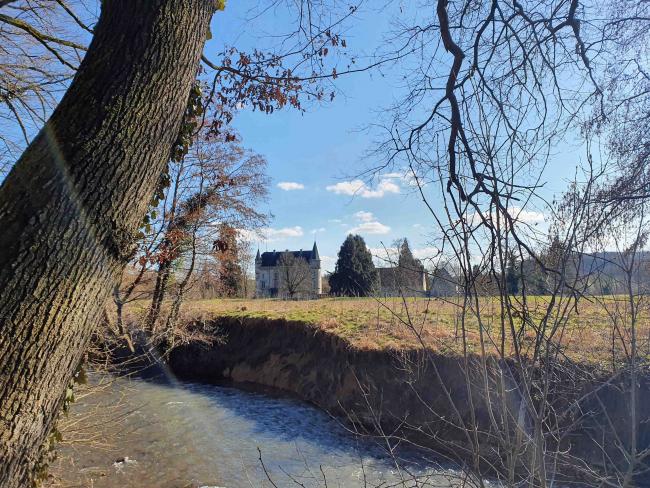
(527, 216)
(426, 253)
(410, 180)
(269, 234)
(385, 186)
(347, 187)
(384, 255)
(283, 233)
(407, 178)
(335, 221)
(360, 188)
(368, 224)
(364, 216)
(373, 227)
(392, 175)
(320, 229)
(290, 185)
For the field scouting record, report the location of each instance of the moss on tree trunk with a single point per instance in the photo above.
(72, 202)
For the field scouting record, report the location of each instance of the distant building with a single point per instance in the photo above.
(302, 280)
(398, 281)
(442, 283)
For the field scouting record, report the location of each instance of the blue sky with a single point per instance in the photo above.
(322, 151)
(315, 157)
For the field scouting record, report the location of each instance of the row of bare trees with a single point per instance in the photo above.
(75, 193)
(499, 99)
(195, 231)
(42, 44)
(493, 91)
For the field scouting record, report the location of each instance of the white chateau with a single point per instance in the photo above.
(271, 276)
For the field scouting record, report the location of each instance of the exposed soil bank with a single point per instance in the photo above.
(428, 398)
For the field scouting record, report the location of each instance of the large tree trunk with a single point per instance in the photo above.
(71, 204)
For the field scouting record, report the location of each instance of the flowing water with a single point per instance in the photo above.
(135, 433)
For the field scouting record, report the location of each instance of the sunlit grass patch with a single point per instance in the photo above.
(442, 324)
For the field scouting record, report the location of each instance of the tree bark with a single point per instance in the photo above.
(159, 291)
(75, 198)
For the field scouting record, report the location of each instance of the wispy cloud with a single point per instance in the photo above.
(364, 216)
(360, 188)
(370, 228)
(290, 185)
(283, 233)
(270, 234)
(406, 178)
(368, 224)
(528, 216)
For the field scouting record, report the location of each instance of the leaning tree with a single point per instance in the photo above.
(71, 204)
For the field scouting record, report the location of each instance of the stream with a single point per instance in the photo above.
(137, 433)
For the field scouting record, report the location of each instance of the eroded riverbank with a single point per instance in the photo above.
(438, 401)
(172, 431)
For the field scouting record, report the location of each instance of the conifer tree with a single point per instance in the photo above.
(405, 258)
(410, 268)
(512, 275)
(355, 273)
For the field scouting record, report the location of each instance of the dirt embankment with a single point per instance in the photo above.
(430, 399)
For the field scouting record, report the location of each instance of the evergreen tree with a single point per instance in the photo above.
(410, 268)
(533, 277)
(512, 278)
(355, 274)
(405, 258)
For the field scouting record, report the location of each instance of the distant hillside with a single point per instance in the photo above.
(608, 271)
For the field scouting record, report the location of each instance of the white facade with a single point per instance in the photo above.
(270, 276)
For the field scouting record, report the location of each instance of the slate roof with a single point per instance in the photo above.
(272, 258)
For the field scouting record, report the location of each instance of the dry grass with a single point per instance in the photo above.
(369, 323)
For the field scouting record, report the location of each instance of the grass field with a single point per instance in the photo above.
(368, 323)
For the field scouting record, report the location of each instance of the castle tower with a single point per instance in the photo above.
(258, 270)
(314, 264)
